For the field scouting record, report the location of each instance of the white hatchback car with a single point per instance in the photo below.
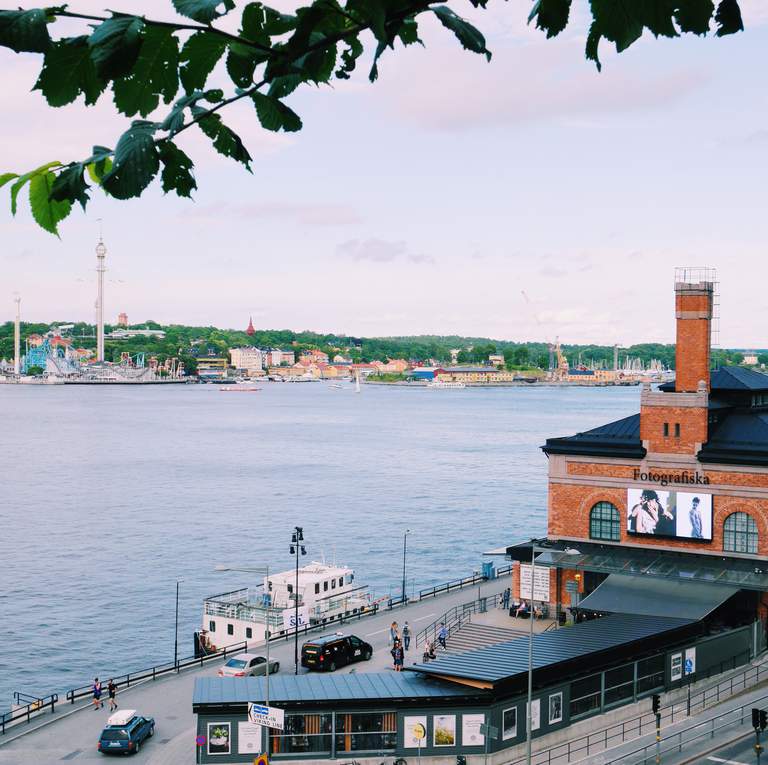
(245, 664)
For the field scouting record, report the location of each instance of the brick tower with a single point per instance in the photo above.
(676, 422)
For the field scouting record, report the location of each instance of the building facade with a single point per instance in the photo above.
(248, 358)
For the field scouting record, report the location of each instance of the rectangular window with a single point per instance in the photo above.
(666, 429)
(619, 684)
(650, 674)
(341, 581)
(211, 626)
(248, 632)
(289, 587)
(333, 584)
(230, 629)
(366, 732)
(317, 587)
(303, 734)
(325, 586)
(585, 696)
(677, 430)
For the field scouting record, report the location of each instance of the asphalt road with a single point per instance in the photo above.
(72, 735)
(740, 753)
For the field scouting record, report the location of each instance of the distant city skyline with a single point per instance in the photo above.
(427, 202)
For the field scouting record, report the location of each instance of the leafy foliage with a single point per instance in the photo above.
(143, 62)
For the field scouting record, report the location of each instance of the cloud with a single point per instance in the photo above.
(307, 214)
(375, 250)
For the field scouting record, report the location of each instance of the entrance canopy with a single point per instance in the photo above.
(679, 598)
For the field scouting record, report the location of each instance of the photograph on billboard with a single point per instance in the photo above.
(674, 514)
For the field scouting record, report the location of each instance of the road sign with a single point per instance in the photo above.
(571, 586)
(489, 730)
(271, 717)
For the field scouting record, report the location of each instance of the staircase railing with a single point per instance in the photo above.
(454, 617)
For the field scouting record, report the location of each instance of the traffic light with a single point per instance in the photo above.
(763, 719)
(656, 703)
(755, 718)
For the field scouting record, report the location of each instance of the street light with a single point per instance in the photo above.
(297, 546)
(535, 549)
(176, 632)
(405, 537)
(264, 570)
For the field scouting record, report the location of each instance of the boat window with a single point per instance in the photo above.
(248, 632)
(325, 586)
(341, 581)
(317, 587)
(333, 584)
(289, 587)
(211, 626)
(230, 629)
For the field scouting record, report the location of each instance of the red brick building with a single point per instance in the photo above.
(678, 491)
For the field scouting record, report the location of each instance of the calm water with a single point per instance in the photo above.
(109, 494)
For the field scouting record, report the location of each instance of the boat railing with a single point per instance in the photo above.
(25, 708)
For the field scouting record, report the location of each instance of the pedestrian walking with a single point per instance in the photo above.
(442, 636)
(398, 656)
(394, 633)
(505, 599)
(96, 688)
(406, 636)
(112, 693)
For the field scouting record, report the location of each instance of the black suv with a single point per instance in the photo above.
(326, 654)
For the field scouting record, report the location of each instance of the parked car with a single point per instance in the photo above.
(245, 664)
(125, 732)
(329, 653)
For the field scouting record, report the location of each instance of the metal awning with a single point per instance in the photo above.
(742, 573)
(679, 598)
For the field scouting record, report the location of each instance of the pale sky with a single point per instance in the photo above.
(430, 200)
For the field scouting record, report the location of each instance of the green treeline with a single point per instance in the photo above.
(185, 342)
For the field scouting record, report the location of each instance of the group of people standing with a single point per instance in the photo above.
(97, 691)
(400, 640)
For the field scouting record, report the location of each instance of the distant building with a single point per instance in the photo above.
(34, 340)
(472, 375)
(455, 355)
(248, 359)
(423, 373)
(750, 358)
(126, 334)
(315, 355)
(122, 319)
(393, 366)
(339, 359)
(250, 330)
(274, 357)
(212, 368)
(496, 359)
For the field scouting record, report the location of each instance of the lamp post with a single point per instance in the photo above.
(405, 547)
(268, 602)
(535, 549)
(297, 547)
(176, 631)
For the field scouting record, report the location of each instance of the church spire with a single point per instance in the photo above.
(250, 330)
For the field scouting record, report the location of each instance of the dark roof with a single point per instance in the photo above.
(620, 438)
(657, 597)
(325, 688)
(730, 379)
(504, 661)
(741, 438)
(323, 639)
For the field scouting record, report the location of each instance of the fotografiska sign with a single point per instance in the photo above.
(669, 479)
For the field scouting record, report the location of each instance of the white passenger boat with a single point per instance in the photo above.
(445, 384)
(327, 594)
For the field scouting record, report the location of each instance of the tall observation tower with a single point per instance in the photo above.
(17, 337)
(101, 253)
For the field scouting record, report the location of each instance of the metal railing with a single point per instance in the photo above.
(598, 741)
(455, 617)
(454, 584)
(29, 706)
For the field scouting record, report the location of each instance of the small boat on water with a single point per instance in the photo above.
(445, 384)
(239, 389)
(326, 595)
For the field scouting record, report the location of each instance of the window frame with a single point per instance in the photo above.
(605, 515)
(740, 533)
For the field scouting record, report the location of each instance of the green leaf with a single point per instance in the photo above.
(409, 32)
(728, 18)
(551, 15)
(657, 16)
(203, 11)
(136, 161)
(241, 64)
(70, 186)
(276, 23)
(69, 71)
(175, 120)
(177, 170)
(46, 212)
(467, 35)
(593, 41)
(695, 15)
(200, 54)
(6, 178)
(225, 141)
(284, 86)
(115, 46)
(617, 21)
(99, 163)
(349, 57)
(275, 115)
(25, 31)
(318, 65)
(373, 75)
(155, 74)
(23, 179)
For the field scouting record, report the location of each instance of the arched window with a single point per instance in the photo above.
(740, 533)
(604, 522)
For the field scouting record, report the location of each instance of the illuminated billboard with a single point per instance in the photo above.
(672, 514)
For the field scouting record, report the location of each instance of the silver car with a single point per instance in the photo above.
(245, 664)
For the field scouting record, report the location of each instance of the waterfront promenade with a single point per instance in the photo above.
(70, 735)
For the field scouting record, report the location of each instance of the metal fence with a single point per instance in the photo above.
(455, 617)
(28, 707)
(613, 735)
